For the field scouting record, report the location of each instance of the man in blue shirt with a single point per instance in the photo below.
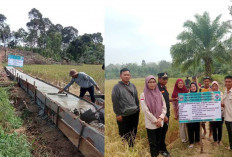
(86, 83)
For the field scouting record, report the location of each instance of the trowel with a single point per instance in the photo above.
(58, 94)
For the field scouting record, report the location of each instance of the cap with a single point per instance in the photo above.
(163, 75)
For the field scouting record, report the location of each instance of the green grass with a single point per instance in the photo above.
(7, 117)
(114, 145)
(11, 144)
(59, 74)
(14, 145)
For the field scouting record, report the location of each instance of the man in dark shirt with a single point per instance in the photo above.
(126, 107)
(162, 81)
(187, 82)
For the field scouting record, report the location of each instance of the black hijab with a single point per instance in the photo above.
(195, 85)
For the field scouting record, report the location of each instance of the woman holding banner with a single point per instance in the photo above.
(193, 128)
(179, 88)
(154, 109)
(217, 125)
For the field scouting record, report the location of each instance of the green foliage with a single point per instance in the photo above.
(7, 112)
(137, 71)
(4, 30)
(53, 40)
(87, 49)
(14, 145)
(11, 144)
(204, 42)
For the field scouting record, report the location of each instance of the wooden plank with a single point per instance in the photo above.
(23, 84)
(31, 93)
(51, 104)
(90, 133)
(38, 102)
(41, 96)
(86, 148)
(31, 87)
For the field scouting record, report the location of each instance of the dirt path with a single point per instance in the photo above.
(207, 145)
(46, 139)
(179, 149)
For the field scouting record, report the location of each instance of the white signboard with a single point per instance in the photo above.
(16, 61)
(199, 107)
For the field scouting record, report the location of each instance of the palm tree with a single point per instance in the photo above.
(204, 42)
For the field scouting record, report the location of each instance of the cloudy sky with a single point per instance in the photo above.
(146, 29)
(85, 15)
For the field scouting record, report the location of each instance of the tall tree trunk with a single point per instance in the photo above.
(208, 67)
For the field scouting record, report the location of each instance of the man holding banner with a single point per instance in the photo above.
(206, 88)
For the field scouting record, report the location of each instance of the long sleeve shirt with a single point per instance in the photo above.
(227, 101)
(83, 80)
(150, 119)
(124, 103)
(164, 91)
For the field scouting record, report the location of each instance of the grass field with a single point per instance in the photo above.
(11, 144)
(59, 74)
(114, 145)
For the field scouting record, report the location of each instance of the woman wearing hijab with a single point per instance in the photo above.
(193, 128)
(179, 88)
(217, 125)
(154, 109)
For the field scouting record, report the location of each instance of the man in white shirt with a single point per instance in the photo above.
(227, 104)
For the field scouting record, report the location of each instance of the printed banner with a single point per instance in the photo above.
(199, 107)
(16, 61)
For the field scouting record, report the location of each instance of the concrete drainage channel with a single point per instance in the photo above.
(88, 138)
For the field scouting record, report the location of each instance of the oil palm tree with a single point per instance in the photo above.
(203, 41)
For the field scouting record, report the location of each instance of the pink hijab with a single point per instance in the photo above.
(215, 82)
(153, 98)
(178, 90)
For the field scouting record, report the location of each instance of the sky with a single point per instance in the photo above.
(87, 16)
(137, 30)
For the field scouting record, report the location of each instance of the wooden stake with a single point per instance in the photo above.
(27, 86)
(201, 137)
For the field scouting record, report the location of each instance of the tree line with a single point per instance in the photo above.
(53, 40)
(152, 68)
(204, 42)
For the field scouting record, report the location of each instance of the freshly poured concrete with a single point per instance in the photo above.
(70, 102)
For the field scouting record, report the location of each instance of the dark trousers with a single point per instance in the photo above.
(217, 130)
(193, 132)
(164, 130)
(229, 130)
(154, 140)
(128, 128)
(91, 92)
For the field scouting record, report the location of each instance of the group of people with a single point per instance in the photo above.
(155, 104)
